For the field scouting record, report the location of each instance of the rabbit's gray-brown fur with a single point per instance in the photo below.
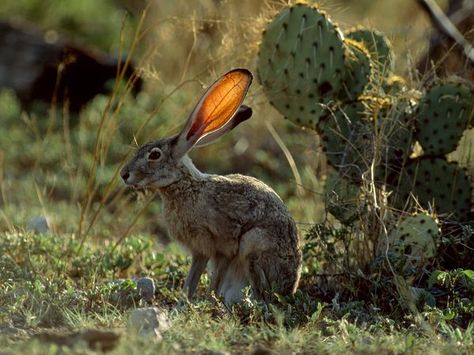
(235, 223)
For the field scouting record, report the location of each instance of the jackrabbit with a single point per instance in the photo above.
(235, 223)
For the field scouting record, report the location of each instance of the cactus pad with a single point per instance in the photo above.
(379, 48)
(301, 63)
(347, 140)
(358, 69)
(435, 183)
(445, 112)
(342, 199)
(394, 133)
(413, 240)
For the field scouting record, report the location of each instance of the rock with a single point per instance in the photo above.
(146, 288)
(148, 322)
(39, 225)
(45, 69)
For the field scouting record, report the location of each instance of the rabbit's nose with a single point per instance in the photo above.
(125, 176)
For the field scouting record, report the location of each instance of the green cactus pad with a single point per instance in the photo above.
(394, 133)
(358, 70)
(342, 199)
(347, 140)
(413, 241)
(301, 63)
(435, 183)
(445, 111)
(379, 48)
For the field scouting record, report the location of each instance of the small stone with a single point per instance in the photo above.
(39, 225)
(146, 288)
(148, 322)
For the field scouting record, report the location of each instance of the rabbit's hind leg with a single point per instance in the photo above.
(260, 278)
(266, 268)
(253, 247)
(233, 281)
(271, 273)
(227, 279)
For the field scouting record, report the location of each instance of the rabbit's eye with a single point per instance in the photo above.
(154, 154)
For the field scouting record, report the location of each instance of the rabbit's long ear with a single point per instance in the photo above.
(243, 114)
(216, 109)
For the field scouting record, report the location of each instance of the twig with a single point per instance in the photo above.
(446, 27)
(299, 182)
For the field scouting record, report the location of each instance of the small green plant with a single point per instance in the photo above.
(455, 293)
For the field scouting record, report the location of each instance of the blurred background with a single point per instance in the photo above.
(66, 124)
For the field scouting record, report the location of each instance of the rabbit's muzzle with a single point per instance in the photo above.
(128, 177)
(136, 178)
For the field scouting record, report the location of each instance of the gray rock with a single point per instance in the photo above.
(39, 224)
(146, 288)
(148, 322)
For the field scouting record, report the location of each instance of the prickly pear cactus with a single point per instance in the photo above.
(435, 183)
(369, 121)
(394, 132)
(371, 130)
(394, 84)
(445, 112)
(342, 199)
(301, 63)
(358, 70)
(413, 241)
(378, 46)
(347, 139)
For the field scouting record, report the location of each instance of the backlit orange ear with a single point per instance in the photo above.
(219, 104)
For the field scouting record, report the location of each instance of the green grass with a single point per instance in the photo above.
(48, 286)
(63, 281)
